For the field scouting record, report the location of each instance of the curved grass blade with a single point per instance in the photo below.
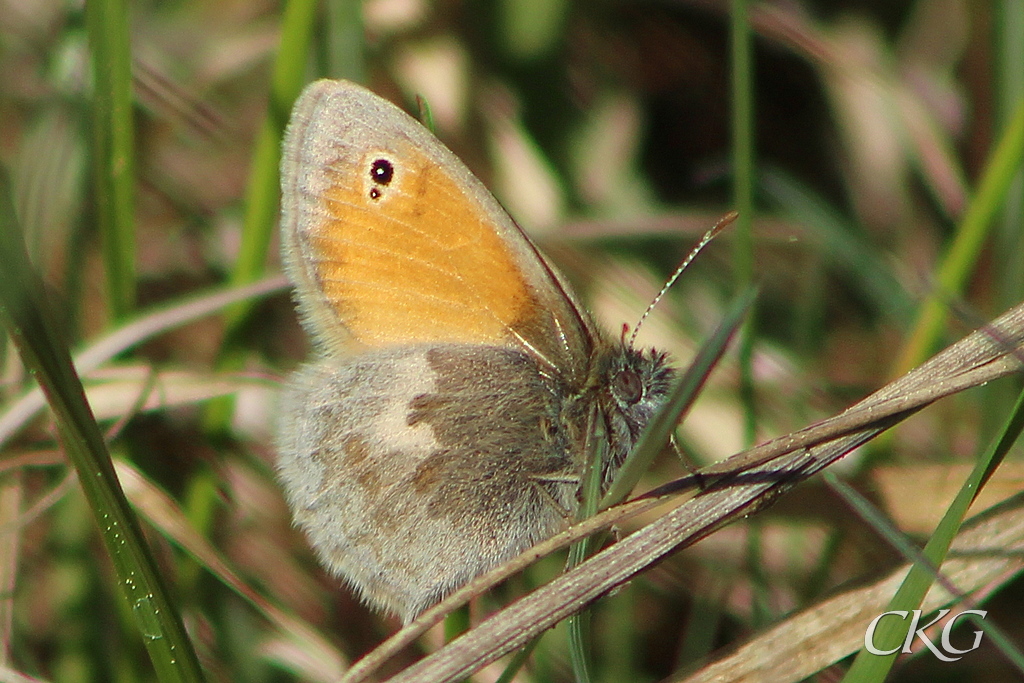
(890, 633)
(27, 315)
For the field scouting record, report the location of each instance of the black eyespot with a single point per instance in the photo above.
(382, 171)
(627, 386)
(374, 193)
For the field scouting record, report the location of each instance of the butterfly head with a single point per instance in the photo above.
(633, 386)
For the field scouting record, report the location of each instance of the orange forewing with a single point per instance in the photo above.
(425, 256)
(422, 263)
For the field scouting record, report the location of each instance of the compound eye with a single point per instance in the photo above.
(627, 387)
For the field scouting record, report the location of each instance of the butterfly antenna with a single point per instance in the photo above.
(721, 225)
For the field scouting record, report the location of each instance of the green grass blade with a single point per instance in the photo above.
(579, 646)
(517, 662)
(871, 667)
(743, 196)
(114, 148)
(650, 444)
(261, 195)
(1008, 25)
(658, 431)
(958, 263)
(30, 322)
(578, 624)
(1008, 56)
(344, 41)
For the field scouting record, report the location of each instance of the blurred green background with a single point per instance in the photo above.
(606, 128)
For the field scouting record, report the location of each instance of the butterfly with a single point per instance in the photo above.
(442, 423)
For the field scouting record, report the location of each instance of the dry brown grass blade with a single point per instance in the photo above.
(12, 495)
(988, 353)
(985, 552)
(148, 325)
(126, 390)
(738, 486)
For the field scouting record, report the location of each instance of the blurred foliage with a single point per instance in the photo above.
(604, 128)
